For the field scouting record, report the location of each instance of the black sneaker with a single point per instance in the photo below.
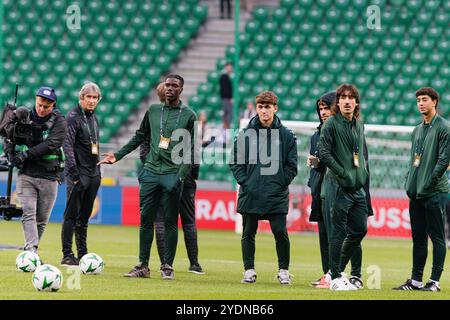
(70, 261)
(196, 268)
(138, 271)
(357, 282)
(431, 286)
(167, 272)
(407, 286)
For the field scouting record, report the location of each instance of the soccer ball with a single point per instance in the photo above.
(91, 263)
(47, 278)
(27, 261)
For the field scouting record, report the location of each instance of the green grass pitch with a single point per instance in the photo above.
(220, 256)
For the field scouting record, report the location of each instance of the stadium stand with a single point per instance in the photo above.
(123, 46)
(304, 48)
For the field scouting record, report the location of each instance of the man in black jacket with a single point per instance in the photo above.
(40, 161)
(83, 174)
(226, 94)
(264, 185)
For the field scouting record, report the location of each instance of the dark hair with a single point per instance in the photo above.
(176, 76)
(339, 92)
(428, 91)
(267, 97)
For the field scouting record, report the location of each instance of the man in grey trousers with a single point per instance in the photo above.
(40, 162)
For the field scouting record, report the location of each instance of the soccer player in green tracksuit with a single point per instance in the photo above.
(264, 185)
(320, 207)
(161, 179)
(341, 145)
(427, 188)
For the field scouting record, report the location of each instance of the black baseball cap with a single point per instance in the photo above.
(47, 93)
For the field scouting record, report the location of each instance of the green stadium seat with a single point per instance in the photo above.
(315, 41)
(270, 79)
(252, 28)
(201, 12)
(12, 17)
(182, 38)
(297, 15)
(444, 47)
(270, 53)
(163, 36)
(252, 52)
(260, 65)
(342, 4)
(296, 66)
(244, 65)
(261, 40)
(343, 55)
(288, 53)
(333, 42)
(288, 4)
(306, 28)
(261, 14)
(305, 4)
(279, 40)
(399, 57)
(279, 15)
(297, 41)
(270, 28)
(306, 54)
(251, 77)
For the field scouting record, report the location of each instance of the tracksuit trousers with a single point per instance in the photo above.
(158, 191)
(279, 230)
(347, 225)
(187, 215)
(80, 201)
(428, 220)
(325, 230)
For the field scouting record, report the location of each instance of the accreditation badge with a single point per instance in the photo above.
(416, 162)
(355, 159)
(94, 149)
(164, 143)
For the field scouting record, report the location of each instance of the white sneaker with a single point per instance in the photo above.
(341, 284)
(284, 276)
(249, 276)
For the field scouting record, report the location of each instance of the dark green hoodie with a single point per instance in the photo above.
(159, 160)
(429, 178)
(265, 194)
(338, 138)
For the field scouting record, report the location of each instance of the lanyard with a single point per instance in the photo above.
(161, 129)
(89, 128)
(421, 140)
(355, 137)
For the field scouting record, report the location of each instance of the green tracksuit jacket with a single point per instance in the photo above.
(429, 178)
(265, 194)
(338, 139)
(159, 160)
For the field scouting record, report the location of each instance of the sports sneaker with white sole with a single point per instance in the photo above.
(284, 277)
(341, 284)
(249, 276)
(357, 282)
(167, 272)
(324, 282)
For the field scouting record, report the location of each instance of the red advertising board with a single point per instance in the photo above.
(216, 209)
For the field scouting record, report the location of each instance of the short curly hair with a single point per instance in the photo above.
(267, 97)
(428, 91)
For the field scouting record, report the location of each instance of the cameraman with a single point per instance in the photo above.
(40, 162)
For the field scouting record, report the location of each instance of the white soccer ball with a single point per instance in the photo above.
(47, 278)
(27, 261)
(91, 263)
